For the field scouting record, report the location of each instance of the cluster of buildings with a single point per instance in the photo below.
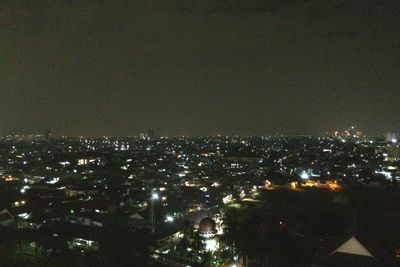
(71, 186)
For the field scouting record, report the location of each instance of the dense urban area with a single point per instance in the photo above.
(200, 201)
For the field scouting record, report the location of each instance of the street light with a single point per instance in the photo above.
(169, 218)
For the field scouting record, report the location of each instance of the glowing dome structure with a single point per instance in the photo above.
(207, 227)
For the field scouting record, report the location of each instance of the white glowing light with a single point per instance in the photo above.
(304, 175)
(24, 215)
(388, 175)
(227, 199)
(211, 244)
(169, 218)
(155, 196)
(53, 181)
(394, 140)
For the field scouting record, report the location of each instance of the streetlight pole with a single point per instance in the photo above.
(153, 199)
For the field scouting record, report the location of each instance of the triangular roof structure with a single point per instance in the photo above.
(136, 216)
(5, 211)
(354, 247)
(5, 216)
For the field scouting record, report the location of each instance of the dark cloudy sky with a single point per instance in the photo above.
(199, 67)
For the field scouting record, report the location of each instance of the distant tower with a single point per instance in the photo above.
(151, 134)
(390, 137)
(47, 135)
(393, 149)
(142, 136)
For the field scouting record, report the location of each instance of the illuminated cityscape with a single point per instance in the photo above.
(199, 133)
(187, 198)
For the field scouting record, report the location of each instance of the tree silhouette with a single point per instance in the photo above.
(120, 246)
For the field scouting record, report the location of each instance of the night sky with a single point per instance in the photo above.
(199, 67)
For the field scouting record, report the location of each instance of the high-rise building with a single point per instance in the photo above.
(151, 133)
(393, 151)
(143, 136)
(393, 146)
(392, 137)
(47, 135)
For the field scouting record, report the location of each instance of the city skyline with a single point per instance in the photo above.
(199, 133)
(154, 134)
